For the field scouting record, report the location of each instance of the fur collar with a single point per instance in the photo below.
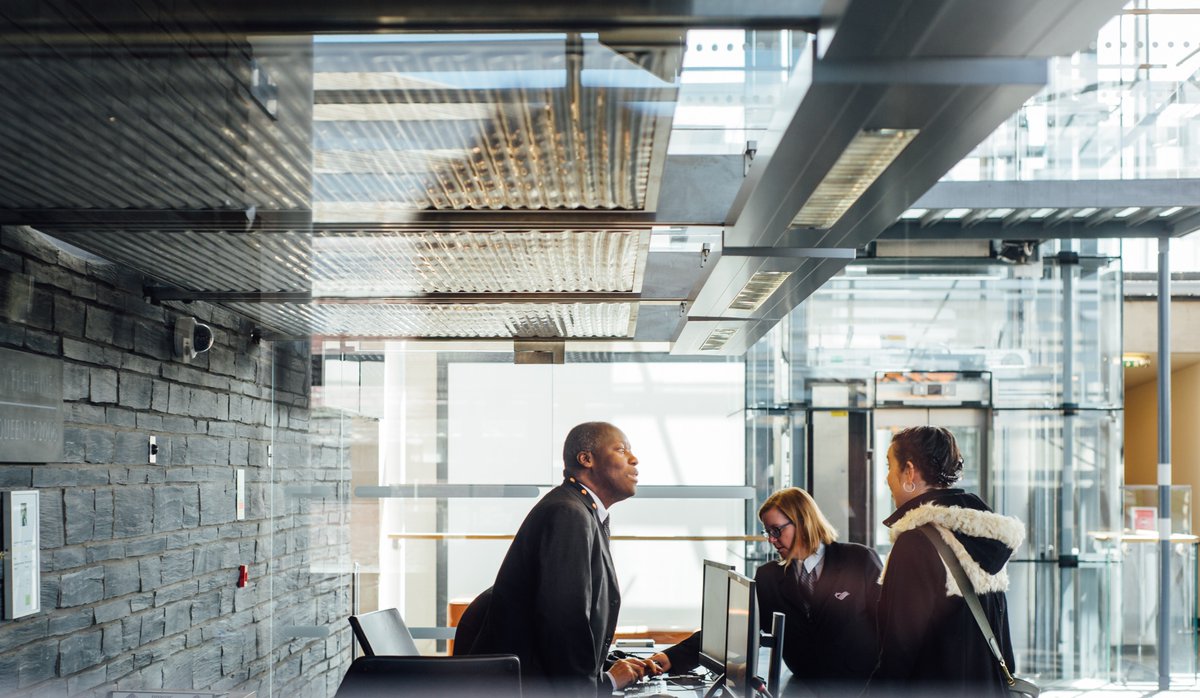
(970, 522)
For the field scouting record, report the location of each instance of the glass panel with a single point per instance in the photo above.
(465, 417)
(1124, 108)
(1142, 255)
(1061, 475)
(730, 87)
(1140, 600)
(955, 316)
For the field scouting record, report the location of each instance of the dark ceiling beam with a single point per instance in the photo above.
(239, 220)
(1028, 230)
(373, 16)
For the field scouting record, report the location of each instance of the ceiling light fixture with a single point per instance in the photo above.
(955, 214)
(1126, 212)
(1170, 212)
(1085, 212)
(913, 214)
(1042, 213)
(860, 164)
(1130, 360)
(717, 339)
(758, 289)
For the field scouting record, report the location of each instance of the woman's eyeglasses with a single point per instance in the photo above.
(775, 531)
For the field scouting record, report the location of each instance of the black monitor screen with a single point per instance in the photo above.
(712, 615)
(741, 651)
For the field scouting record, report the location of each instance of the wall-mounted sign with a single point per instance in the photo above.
(1143, 519)
(22, 580)
(31, 408)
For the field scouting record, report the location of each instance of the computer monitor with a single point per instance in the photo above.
(712, 615)
(741, 648)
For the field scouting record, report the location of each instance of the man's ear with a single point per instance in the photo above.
(584, 458)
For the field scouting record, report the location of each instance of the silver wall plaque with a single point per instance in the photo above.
(31, 408)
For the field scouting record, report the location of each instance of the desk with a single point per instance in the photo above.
(658, 686)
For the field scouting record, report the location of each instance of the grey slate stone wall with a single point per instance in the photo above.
(140, 561)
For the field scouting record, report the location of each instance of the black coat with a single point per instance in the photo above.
(929, 641)
(831, 649)
(556, 598)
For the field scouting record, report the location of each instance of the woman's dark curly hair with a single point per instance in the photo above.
(932, 451)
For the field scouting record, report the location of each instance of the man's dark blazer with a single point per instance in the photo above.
(556, 598)
(832, 648)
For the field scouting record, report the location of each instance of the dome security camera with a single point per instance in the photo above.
(192, 338)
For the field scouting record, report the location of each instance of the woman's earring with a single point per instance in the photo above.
(909, 487)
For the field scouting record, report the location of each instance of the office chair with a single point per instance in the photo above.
(485, 676)
(470, 623)
(383, 632)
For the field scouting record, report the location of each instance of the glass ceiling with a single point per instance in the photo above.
(1126, 108)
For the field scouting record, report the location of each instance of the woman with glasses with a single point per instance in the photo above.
(827, 590)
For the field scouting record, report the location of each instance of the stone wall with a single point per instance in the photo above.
(139, 561)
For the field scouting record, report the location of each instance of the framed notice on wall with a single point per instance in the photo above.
(22, 579)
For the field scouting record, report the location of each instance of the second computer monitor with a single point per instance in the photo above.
(712, 615)
(741, 651)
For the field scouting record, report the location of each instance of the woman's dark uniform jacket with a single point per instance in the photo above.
(832, 649)
(556, 598)
(929, 640)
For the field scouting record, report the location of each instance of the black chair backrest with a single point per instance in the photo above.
(470, 623)
(484, 676)
(383, 632)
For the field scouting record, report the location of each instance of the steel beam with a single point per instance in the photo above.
(1117, 194)
(1164, 464)
(933, 71)
(1027, 230)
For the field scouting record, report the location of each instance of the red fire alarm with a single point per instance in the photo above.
(243, 575)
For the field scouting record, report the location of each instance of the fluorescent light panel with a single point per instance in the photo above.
(758, 289)
(717, 339)
(860, 164)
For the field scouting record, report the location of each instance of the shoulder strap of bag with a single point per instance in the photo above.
(968, 592)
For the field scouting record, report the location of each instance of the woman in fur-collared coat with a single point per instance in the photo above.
(930, 643)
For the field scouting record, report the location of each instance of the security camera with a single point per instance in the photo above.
(192, 338)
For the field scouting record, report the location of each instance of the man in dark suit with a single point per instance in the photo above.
(556, 598)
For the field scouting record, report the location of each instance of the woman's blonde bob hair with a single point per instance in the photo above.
(811, 525)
